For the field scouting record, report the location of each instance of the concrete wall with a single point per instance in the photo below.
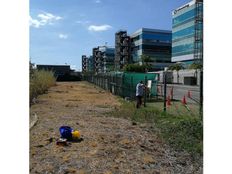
(172, 76)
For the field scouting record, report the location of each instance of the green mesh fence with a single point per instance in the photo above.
(124, 84)
(130, 80)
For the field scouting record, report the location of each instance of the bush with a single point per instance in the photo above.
(135, 68)
(196, 66)
(176, 66)
(40, 81)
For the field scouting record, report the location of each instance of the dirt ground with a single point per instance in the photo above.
(110, 145)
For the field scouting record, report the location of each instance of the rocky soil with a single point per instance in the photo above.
(110, 145)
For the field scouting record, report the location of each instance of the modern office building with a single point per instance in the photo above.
(153, 43)
(84, 63)
(108, 58)
(96, 60)
(103, 59)
(187, 33)
(122, 49)
(90, 64)
(87, 63)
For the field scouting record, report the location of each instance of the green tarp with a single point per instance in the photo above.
(130, 80)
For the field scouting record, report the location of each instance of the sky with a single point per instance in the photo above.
(61, 31)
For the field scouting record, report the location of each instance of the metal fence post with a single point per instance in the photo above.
(123, 88)
(117, 93)
(165, 88)
(100, 81)
(131, 87)
(201, 93)
(108, 82)
(145, 93)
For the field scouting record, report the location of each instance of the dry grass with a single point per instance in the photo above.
(110, 145)
(40, 81)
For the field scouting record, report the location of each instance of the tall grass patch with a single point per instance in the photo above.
(40, 81)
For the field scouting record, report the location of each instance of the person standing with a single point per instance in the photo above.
(139, 93)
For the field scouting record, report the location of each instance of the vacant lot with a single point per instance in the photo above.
(110, 145)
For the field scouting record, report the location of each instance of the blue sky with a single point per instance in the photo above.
(63, 30)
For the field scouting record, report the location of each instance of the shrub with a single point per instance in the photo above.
(196, 66)
(176, 66)
(135, 68)
(40, 81)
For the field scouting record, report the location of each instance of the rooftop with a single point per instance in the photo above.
(185, 6)
(150, 30)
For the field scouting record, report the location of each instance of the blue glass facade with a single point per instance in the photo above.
(154, 43)
(184, 31)
(108, 58)
(90, 64)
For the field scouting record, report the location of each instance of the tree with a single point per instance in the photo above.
(135, 68)
(177, 67)
(145, 67)
(196, 66)
(146, 59)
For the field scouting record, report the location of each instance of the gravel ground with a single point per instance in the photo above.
(110, 145)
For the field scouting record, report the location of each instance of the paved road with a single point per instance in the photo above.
(179, 91)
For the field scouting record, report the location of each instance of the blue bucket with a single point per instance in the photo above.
(66, 132)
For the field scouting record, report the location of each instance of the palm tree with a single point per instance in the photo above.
(146, 60)
(177, 66)
(196, 66)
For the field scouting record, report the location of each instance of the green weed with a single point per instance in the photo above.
(182, 132)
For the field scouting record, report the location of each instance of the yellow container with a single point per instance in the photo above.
(76, 134)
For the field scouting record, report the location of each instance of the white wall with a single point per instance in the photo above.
(173, 75)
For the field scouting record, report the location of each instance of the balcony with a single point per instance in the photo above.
(125, 43)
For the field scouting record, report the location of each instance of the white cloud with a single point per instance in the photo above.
(43, 19)
(99, 27)
(82, 22)
(34, 23)
(48, 18)
(98, 1)
(63, 36)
